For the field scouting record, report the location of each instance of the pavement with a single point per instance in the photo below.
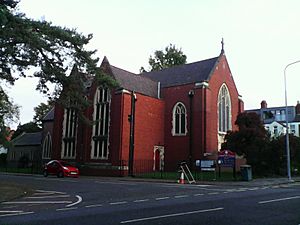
(258, 182)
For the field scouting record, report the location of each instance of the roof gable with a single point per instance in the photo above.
(184, 74)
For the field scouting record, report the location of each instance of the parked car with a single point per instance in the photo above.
(60, 169)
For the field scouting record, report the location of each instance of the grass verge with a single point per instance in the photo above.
(10, 191)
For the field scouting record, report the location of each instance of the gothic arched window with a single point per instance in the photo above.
(224, 109)
(69, 134)
(179, 119)
(101, 117)
(47, 147)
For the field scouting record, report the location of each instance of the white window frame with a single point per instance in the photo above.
(101, 118)
(177, 110)
(47, 147)
(224, 110)
(69, 140)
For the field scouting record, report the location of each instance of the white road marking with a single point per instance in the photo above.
(203, 185)
(198, 194)
(141, 200)
(92, 206)
(50, 192)
(51, 196)
(181, 196)
(263, 188)
(75, 203)
(6, 211)
(118, 203)
(253, 189)
(213, 193)
(38, 202)
(170, 215)
(66, 209)
(16, 214)
(279, 199)
(162, 198)
(116, 183)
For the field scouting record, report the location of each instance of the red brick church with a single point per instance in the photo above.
(156, 119)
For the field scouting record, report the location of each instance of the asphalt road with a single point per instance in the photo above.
(103, 201)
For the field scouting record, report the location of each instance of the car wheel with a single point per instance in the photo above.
(45, 173)
(60, 174)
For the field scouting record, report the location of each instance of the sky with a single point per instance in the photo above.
(261, 38)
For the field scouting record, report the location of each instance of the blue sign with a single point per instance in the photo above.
(226, 158)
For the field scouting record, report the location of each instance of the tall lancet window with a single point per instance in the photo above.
(47, 147)
(101, 117)
(224, 109)
(69, 134)
(179, 120)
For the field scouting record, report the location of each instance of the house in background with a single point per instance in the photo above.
(25, 150)
(274, 118)
(151, 122)
(32, 149)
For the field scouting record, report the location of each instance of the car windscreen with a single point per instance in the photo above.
(65, 164)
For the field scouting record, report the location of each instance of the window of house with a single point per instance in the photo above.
(293, 128)
(47, 147)
(101, 117)
(275, 131)
(69, 134)
(224, 109)
(13, 155)
(179, 119)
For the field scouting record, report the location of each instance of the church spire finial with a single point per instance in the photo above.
(222, 42)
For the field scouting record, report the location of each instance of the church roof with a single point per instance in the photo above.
(135, 82)
(184, 74)
(28, 139)
(131, 81)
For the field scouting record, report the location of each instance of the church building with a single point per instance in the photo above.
(151, 122)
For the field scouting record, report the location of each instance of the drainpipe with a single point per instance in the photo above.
(191, 95)
(131, 119)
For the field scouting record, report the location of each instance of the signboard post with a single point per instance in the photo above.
(227, 158)
(207, 166)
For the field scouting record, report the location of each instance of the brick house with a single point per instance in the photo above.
(155, 119)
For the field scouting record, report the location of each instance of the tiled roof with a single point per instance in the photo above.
(134, 82)
(26, 139)
(184, 74)
(49, 116)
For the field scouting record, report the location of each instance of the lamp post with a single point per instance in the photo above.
(287, 125)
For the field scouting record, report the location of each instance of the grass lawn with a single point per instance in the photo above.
(10, 191)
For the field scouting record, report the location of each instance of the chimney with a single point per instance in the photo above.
(263, 104)
(298, 108)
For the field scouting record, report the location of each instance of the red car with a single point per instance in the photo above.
(60, 169)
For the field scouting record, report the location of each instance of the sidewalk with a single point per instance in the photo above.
(252, 183)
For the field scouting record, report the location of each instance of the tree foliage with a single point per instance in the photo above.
(9, 112)
(52, 50)
(265, 155)
(30, 127)
(251, 140)
(170, 56)
(40, 112)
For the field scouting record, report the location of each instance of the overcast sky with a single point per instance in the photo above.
(261, 37)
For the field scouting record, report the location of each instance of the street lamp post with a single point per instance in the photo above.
(288, 158)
